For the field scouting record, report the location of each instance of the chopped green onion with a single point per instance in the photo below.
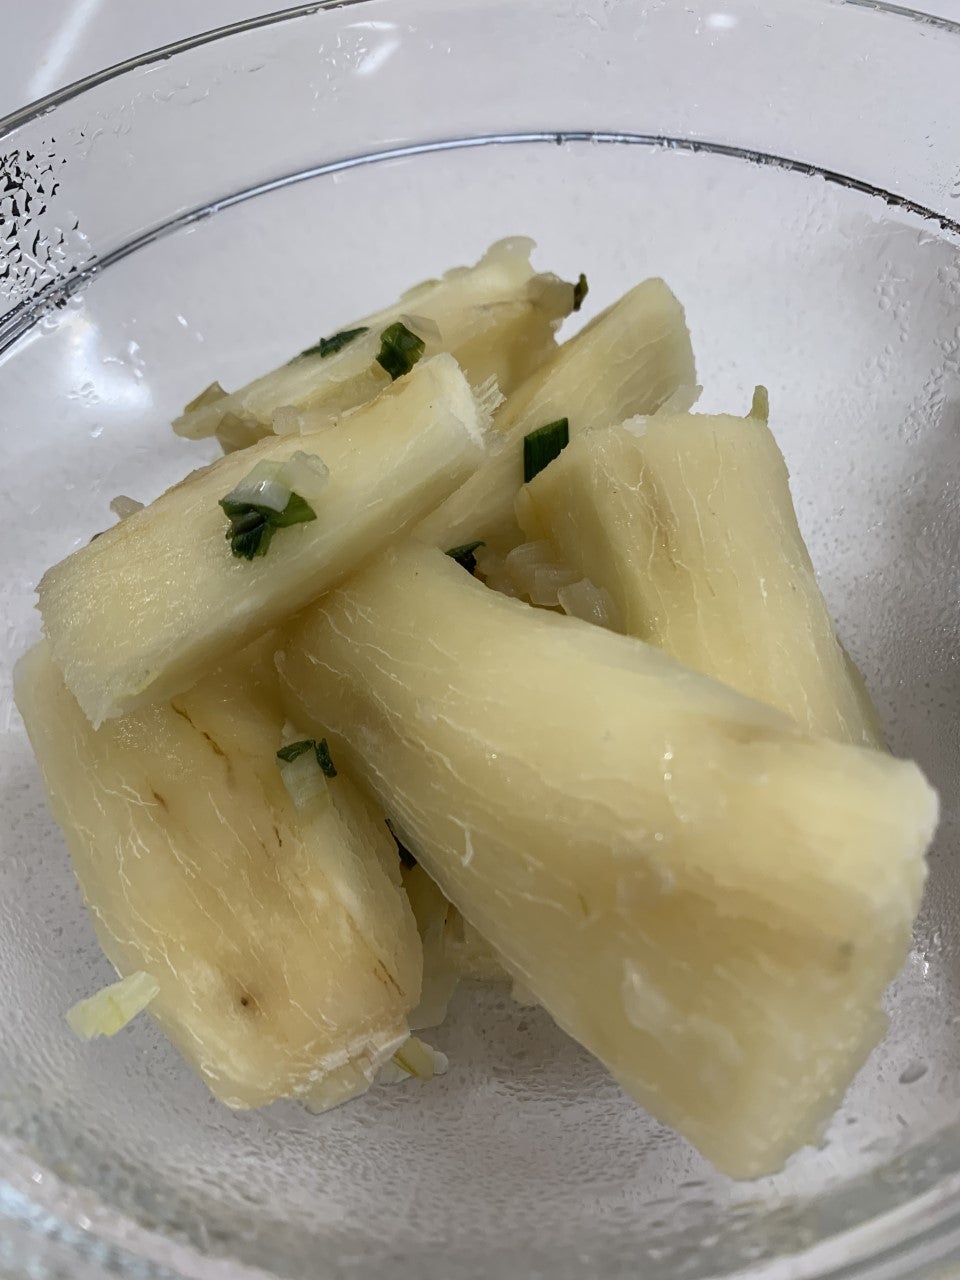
(406, 857)
(323, 759)
(465, 555)
(264, 501)
(540, 447)
(400, 349)
(294, 749)
(580, 291)
(336, 342)
(249, 535)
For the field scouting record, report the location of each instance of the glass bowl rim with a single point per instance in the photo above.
(924, 1229)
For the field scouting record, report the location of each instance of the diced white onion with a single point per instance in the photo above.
(637, 426)
(122, 506)
(536, 572)
(287, 420)
(415, 1058)
(304, 780)
(585, 600)
(422, 326)
(107, 1012)
(271, 484)
(760, 404)
(548, 580)
(492, 568)
(263, 487)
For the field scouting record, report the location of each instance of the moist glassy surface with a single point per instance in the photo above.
(846, 310)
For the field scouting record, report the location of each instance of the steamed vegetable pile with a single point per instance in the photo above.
(477, 655)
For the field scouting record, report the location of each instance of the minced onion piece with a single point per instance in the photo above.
(209, 395)
(423, 325)
(110, 1009)
(286, 420)
(270, 485)
(585, 600)
(492, 568)
(548, 581)
(122, 506)
(760, 404)
(303, 780)
(415, 1058)
(536, 572)
(301, 760)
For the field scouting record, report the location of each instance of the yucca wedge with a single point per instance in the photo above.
(707, 897)
(143, 610)
(687, 521)
(286, 954)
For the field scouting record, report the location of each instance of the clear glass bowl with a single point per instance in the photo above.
(792, 167)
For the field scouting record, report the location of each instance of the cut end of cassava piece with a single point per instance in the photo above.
(708, 898)
(142, 612)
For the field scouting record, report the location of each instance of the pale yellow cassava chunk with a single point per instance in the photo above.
(707, 897)
(627, 360)
(497, 318)
(687, 521)
(141, 612)
(282, 945)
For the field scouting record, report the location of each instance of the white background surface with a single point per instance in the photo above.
(45, 44)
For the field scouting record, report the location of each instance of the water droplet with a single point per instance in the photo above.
(913, 1072)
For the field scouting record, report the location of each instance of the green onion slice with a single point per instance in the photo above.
(336, 342)
(544, 444)
(465, 555)
(400, 349)
(266, 500)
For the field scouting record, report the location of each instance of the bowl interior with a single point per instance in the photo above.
(525, 1154)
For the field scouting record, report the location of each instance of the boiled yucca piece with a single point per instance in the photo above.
(286, 955)
(707, 897)
(145, 609)
(686, 520)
